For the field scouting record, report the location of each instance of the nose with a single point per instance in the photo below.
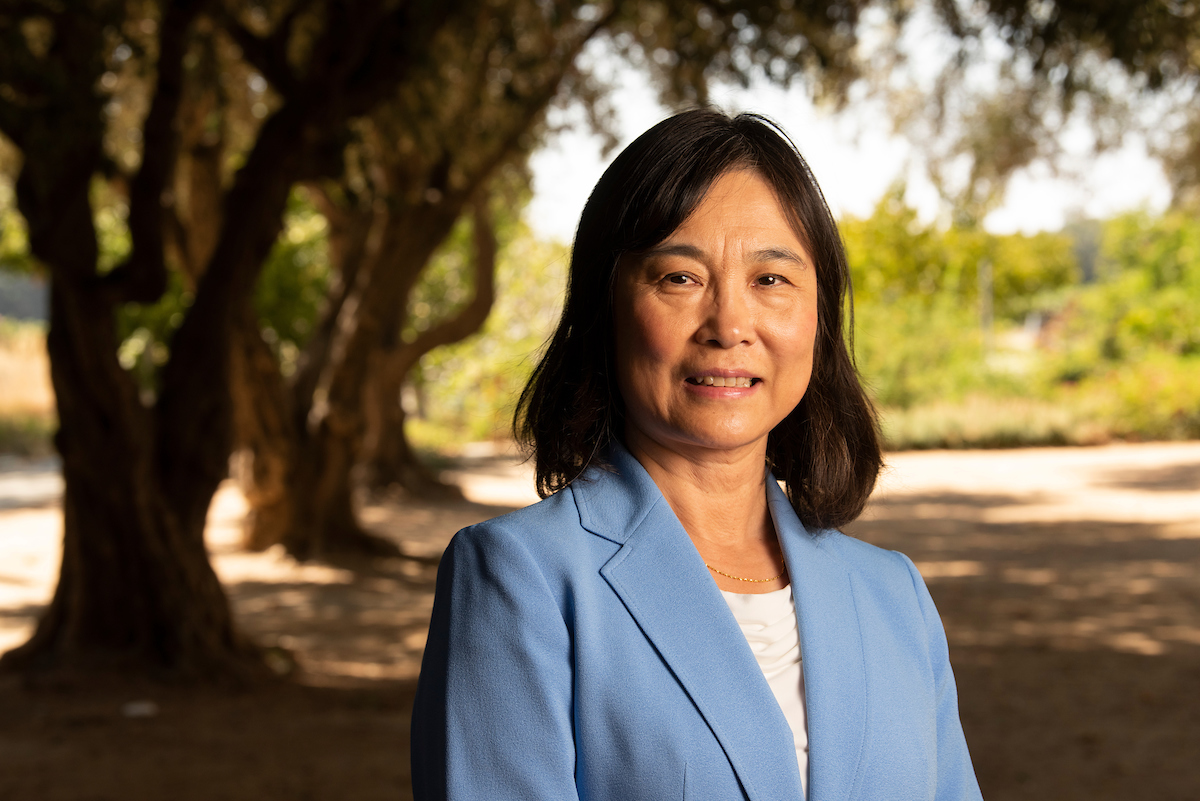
(728, 321)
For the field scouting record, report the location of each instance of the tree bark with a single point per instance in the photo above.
(271, 413)
(136, 591)
(325, 522)
(264, 463)
(390, 461)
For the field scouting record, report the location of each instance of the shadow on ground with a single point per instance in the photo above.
(1076, 644)
(1075, 725)
(282, 742)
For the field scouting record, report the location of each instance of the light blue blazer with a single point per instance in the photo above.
(579, 648)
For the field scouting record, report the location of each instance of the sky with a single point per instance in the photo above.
(855, 159)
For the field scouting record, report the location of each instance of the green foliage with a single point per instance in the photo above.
(14, 238)
(1147, 303)
(145, 332)
(1156, 397)
(893, 255)
(294, 280)
(917, 349)
(112, 231)
(1029, 272)
(1117, 358)
(919, 334)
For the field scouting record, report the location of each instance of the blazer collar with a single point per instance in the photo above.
(661, 579)
(663, 582)
(835, 679)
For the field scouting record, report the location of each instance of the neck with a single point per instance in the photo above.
(718, 495)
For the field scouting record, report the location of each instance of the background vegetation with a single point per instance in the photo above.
(1076, 353)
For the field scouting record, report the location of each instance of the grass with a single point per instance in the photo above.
(990, 422)
(27, 435)
(27, 416)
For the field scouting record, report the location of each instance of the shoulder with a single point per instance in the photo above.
(888, 575)
(545, 538)
(864, 557)
(535, 527)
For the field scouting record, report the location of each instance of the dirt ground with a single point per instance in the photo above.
(1068, 581)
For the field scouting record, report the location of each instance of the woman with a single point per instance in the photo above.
(669, 623)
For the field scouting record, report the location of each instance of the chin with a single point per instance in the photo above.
(729, 441)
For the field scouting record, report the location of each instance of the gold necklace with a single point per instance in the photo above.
(739, 578)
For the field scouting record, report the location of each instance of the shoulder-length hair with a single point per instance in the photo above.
(826, 451)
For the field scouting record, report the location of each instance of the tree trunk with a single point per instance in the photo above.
(325, 522)
(135, 591)
(265, 433)
(391, 461)
(271, 414)
(427, 161)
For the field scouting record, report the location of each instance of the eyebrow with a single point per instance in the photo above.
(692, 252)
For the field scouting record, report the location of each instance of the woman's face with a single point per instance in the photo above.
(715, 325)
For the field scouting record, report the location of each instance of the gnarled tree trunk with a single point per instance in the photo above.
(426, 152)
(390, 460)
(325, 521)
(135, 589)
(265, 461)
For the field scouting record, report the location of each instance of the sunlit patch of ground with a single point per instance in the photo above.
(1065, 548)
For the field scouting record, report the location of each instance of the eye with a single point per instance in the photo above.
(679, 279)
(770, 280)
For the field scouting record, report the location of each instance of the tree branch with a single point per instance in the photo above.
(18, 69)
(13, 122)
(142, 277)
(350, 230)
(401, 31)
(472, 316)
(268, 54)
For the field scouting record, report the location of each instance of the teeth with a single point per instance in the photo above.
(718, 381)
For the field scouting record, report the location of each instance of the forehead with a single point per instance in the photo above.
(742, 202)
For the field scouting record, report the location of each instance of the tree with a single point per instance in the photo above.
(135, 588)
(416, 164)
(1018, 72)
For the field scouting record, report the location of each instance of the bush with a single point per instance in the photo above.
(1157, 397)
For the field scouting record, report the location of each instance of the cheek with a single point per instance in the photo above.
(795, 332)
(647, 341)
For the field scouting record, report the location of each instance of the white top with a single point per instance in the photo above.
(768, 621)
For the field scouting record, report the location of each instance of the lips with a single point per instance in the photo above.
(740, 381)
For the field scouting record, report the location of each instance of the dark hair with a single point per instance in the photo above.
(826, 451)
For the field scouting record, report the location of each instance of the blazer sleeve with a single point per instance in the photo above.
(955, 775)
(493, 711)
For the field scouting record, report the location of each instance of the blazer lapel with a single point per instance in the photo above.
(835, 683)
(661, 579)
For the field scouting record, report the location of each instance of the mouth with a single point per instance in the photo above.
(722, 381)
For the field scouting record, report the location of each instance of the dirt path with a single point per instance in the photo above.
(1068, 580)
